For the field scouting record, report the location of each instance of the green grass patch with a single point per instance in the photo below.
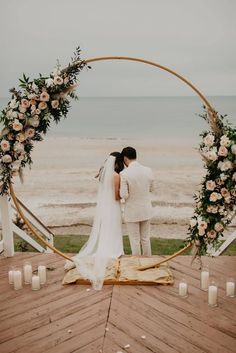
(73, 243)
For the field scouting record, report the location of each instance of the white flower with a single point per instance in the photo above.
(233, 149)
(228, 199)
(12, 114)
(34, 121)
(211, 155)
(22, 109)
(222, 151)
(225, 165)
(55, 104)
(35, 88)
(58, 80)
(14, 104)
(49, 82)
(210, 185)
(5, 145)
(218, 227)
(234, 177)
(32, 95)
(209, 140)
(17, 126)
(20, 137)
(66, 80)
(16, 166)
(6, 158)
(214, 196)
(33, 108)
(19, 147)
(202, 225)
(193, 222)
(223, 176)
(44, 97)
(225, 141)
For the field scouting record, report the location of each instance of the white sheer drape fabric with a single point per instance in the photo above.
(105, 241)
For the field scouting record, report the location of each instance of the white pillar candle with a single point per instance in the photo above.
(230, 288)
(27, 273)
(17, 279)
(204, 279)
(10, 276)
(212, 295)
(42, 273)
(35, 282)
(183, 289)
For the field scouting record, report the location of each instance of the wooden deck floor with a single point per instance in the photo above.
(64, 319)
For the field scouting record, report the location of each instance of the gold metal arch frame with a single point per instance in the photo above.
(212, 119)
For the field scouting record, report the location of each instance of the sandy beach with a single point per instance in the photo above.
(61, 189)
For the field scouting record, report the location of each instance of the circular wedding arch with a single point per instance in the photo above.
(212, 119)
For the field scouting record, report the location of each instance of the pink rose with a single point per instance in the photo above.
(214, 196)
(58, 80)
(6, 158)
(21, 116)
(201, 232)
(209, 140)
(5, 145)
(17, 126)
(42, 105)
(55, 104)
(218, 227)
(29, 133)
(210, 185)
(25, 103)
(211, 234)
(224, 192)
(223, 152)
(44, 97)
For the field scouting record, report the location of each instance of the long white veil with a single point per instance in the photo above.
(105, 241)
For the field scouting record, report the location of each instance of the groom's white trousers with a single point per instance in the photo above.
(139, 234)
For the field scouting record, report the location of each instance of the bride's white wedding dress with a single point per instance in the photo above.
(105, 241)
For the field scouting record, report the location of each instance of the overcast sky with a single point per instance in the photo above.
(194, 37)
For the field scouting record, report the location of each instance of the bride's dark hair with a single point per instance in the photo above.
(119, 164)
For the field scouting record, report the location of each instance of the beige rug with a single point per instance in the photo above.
(125, 271)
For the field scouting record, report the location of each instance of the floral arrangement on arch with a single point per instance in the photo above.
(29, 113)
(216, 201)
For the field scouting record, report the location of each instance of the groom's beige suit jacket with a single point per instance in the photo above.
(136, 184)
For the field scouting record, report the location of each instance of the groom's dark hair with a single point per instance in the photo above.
(129, 152)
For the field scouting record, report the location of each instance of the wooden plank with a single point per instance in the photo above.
(64, 319)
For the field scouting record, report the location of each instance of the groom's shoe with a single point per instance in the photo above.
(69, 265)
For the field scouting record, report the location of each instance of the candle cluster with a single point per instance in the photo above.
(209, 286)
(17, 276)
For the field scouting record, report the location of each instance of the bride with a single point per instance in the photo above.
(105, 241)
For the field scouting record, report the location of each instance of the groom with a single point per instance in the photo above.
(136, 183)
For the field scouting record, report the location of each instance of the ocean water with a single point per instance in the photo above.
(152, 118)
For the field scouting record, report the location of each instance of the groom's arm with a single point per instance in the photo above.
(124, 187)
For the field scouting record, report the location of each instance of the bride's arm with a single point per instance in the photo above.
(117, 186)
